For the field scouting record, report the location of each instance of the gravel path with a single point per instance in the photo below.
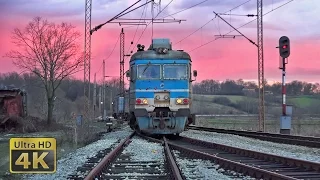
(71, 161)
(286, 150)
(201, 169)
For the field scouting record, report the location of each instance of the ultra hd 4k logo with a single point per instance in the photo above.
(33, 155)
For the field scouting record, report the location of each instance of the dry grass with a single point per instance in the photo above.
(305, 127)
(29, 124)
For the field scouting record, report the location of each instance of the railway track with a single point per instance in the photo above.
(119, 165)
(255, 164)
(307, 141)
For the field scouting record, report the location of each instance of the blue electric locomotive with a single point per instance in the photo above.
(160, 89)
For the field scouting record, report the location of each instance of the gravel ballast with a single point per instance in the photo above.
(71, 161)
(146, 155)
(205, 169)
(286, 150)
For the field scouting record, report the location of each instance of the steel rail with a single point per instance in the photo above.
(172, 163)
(97, 171)
(232, 165)
(257, 155)
(307, 141)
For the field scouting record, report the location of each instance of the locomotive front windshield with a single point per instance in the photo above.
(148, 71)
(175, 71)
(169, 71)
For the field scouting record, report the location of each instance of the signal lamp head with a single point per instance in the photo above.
(284, 47)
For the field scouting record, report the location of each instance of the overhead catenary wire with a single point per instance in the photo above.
(173, 14)
(122, 13)
(209, 22)
(109, 54)
(236, 30)
(150, 22)
(143, 12)
(185, 9)
(242, 25)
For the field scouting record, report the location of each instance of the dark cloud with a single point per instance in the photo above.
(228, 4)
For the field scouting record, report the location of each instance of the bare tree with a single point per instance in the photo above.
(50, 51)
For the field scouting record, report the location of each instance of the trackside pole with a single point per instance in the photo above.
(285, 119)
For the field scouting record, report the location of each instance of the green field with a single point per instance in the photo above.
(303, 101)
(210, 98)
(304, 127)
(203, 104)
(298, 101)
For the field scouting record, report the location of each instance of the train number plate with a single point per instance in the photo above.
(161, 105)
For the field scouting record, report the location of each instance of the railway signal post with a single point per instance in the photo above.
(284, 51)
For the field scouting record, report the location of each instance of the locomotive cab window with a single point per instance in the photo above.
(132, 73)
(176, 71)
(148, 71)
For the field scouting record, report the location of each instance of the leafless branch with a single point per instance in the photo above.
(48, 50)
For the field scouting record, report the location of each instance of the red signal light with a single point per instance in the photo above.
(185, 101)
(284, 47)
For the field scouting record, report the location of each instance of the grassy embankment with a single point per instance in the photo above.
(302, 126)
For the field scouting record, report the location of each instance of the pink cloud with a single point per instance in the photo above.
(221, 59)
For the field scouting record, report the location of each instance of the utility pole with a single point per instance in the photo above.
(100, 100)
(121, 97)
(111, 94)
(260, 66)
(259, 45)
(104, 92)
(87, 58)
(94, 96)
(152, 13)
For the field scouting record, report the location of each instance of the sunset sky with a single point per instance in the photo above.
(221, 59)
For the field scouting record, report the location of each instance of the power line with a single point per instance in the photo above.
(242, 25)
(186, 8)
(236, 30)
(172, 14)
(137, 27)
(109, 54)
(119, 15)
(209, 22)
(113, 48)
(151, 21)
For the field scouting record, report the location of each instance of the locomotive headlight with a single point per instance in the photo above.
(145, 101)
(166, 97)
(179, 101)
(184, 101)
(157, 97)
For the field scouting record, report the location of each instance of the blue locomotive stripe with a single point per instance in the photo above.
(162, 84)
(159, 61)
(151, 94)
